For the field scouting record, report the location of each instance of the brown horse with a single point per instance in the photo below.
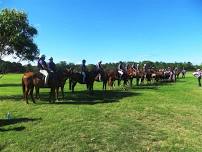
(132, 73)
(104, 78)
(112, 76)
(77, 77)
(61, 77)
(31, 80)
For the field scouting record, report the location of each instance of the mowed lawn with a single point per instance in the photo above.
(167, 117)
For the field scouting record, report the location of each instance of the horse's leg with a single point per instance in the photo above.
(26, 93)
(37, 92)
(62, 90)
(199, 82)
(70, 84)
(57, 93)
(73, 85)
(31, 94)
(50, 95)
(104, 85)
(131, 82)
(137, 81)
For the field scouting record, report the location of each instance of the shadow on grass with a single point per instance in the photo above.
(6, 122)
(83, 97)
(10, 85)
(11, 97)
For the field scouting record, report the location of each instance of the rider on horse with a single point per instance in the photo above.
(121, 69)
(135, 67)
(99, 69)
(145, 68)
(51, 65)
(43, 68)
(127, 67)
(83, 70)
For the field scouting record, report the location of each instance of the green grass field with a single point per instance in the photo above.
(167, 117)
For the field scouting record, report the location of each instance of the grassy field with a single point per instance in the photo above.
(167, 117)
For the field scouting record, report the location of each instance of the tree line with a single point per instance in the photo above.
(14, 67)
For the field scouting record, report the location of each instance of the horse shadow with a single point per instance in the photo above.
(6, 122)
(10, 85)
(98, 97)
(11, 97)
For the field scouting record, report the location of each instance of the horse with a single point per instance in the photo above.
(32, 80)
(61, 76)
(132, 73)
(112, 76)
(77, 77)
(104, 78)
(124, 77)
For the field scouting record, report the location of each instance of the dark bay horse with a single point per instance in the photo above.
(77, 77)
(60, 78)
(104, 78)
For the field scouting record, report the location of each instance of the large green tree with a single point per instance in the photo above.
(16, 35)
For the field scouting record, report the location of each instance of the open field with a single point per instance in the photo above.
(167, 117)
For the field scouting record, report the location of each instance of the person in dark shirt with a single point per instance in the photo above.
(51, 65)
(83, 70)
(99, 69)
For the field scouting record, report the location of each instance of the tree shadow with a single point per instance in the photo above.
(10, 85)
(6, 122)
(12, 129)
(98, 97)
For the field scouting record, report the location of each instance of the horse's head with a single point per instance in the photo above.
(67, 72)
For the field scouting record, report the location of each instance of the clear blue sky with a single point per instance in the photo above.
(114, 30)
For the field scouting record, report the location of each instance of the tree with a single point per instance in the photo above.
(16, 35)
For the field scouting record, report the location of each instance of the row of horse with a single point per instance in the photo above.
(31, 80)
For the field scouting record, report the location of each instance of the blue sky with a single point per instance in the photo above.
(114, 30)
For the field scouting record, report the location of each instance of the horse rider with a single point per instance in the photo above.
(51, 65)
(127, 67)
(83, 70)
(99, 69)
(121, 69)
(145, 67)
(137, 66)
(43, 68)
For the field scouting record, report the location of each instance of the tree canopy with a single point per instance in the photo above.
(16, 35)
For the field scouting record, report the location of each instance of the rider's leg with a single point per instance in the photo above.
(121, 73)
(84, 76)
(45, 73)
(99, 77)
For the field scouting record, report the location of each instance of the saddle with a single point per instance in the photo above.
(42, 77)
